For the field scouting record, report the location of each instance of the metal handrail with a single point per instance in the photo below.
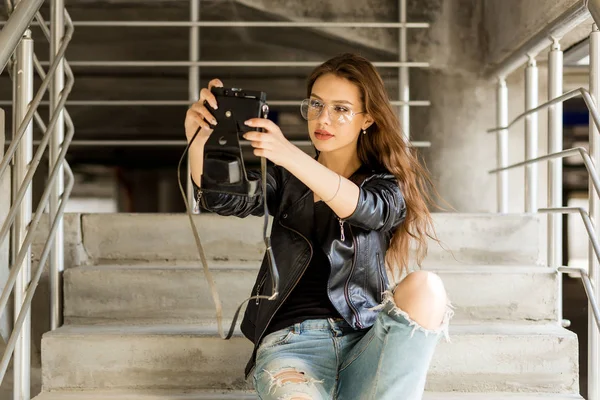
(42, 74)
(571, 18)
(15, 268)
(34, 104)
(595, 245)
(29, 177)
(587, 97)
(15, 27)
(585, 155)
(18, 261)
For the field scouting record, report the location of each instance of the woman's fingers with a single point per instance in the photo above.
(215, 83)
(199, 119)
(206, 95)
(202, 110)
(264, 123)
(255, 136)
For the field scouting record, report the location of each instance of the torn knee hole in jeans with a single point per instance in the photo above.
(296, 396)
(392, 309)
(290, 376)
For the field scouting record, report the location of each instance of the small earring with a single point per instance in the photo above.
(364, 131)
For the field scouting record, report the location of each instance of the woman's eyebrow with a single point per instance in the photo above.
(334, 101)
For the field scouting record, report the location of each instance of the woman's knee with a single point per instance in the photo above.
(287, 383)
(421, 294)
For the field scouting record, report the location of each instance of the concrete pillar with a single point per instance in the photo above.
(463, 106)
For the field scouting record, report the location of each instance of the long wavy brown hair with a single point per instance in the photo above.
(385, 147)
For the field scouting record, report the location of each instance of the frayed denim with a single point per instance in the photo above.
(328, 359)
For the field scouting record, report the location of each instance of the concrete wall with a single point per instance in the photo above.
(343, 11)
(510, 23)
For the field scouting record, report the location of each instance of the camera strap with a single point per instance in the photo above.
(208, 275)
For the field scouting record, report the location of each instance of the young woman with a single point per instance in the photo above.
(342, 221)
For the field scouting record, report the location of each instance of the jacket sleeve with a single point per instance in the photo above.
(380, 207)
(243, 206)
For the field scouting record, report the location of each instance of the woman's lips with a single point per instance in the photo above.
(322, 135)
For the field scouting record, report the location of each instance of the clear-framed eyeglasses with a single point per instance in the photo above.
(312, 109)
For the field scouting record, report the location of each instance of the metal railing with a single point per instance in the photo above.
(526, 55)
(194, 62)
(19, 221)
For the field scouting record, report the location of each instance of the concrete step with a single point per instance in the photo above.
(468, 239)
(159, 293)
(248, 395)
(480, 358)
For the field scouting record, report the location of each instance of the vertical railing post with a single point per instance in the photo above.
(531, 135)
(403, 78)
(23, 156)
(594, 211)
(502, 145)
(193, 80)
(57, 260)
(555, 179)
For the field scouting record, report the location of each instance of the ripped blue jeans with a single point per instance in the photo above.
(327, 359)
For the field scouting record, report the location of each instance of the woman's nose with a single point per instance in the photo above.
(325, 117)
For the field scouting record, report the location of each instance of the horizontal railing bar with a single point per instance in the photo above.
(587, 161)
(591, 105)
(560, 154)
(176, 143)
(233, 64)
(246, 24)
(153, 103)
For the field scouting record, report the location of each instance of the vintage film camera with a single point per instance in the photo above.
(224, 169)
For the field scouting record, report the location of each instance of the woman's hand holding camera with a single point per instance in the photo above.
(199, 116)
(271, 143)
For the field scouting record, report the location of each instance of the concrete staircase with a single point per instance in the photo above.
(139, 320)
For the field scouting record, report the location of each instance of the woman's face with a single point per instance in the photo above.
(333, 123)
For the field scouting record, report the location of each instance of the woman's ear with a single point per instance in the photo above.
(368, 122)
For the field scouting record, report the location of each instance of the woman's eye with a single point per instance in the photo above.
(316, 104)
(341, 109)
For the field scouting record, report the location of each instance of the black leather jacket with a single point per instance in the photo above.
(358, 275)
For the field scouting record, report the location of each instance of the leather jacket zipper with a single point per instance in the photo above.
(381, 273)
(199, 199)
(346, 288)
(262, 282)
(295, 283)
